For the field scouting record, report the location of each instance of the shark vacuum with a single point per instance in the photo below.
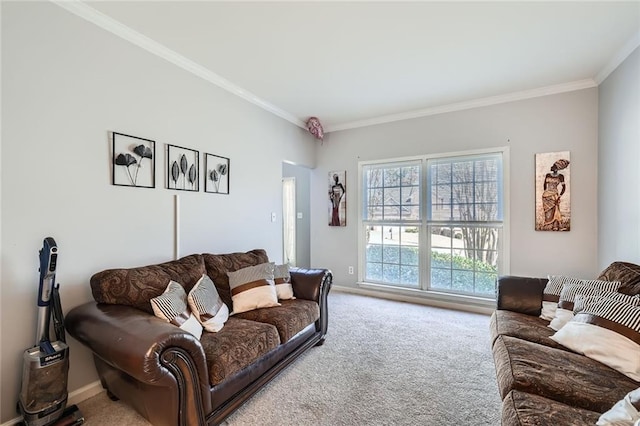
(43, 396)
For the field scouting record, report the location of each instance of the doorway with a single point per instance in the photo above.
(296, 209)
(289, 220)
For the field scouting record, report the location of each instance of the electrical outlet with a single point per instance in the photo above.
(350, 270)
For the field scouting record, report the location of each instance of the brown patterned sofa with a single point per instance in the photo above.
(540, 381)
(168, 375)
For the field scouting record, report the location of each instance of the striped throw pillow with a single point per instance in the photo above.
(607, 331)
(282, 278)
(207, 305)
(253, 287)
(581, 299)
(171, 306)
(551, 294)
(564, 311)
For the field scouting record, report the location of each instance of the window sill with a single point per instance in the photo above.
(434, 298)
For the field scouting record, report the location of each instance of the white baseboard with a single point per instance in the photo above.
(75, 397)
(414, 299)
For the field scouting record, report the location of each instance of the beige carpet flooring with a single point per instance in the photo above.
(383, 363)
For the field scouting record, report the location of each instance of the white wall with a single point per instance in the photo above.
(618, 163)
(65, 85)
(564, 122)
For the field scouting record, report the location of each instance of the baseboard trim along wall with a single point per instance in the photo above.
(413, 299)
(75, 397)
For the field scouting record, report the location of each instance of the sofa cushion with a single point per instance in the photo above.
(627, 273)
(525, 409)
(239, 344)
(527, 327)
(137, 286)
(556, 374)
(290, 318)
(217, 266)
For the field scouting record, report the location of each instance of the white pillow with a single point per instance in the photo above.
(282, 279)
(171, 306)
(252, 288)
(564, 312)
(207, 305)
(607, 331)
(625, 412)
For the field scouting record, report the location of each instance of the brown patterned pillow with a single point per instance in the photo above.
(137, 286)
(627, 273)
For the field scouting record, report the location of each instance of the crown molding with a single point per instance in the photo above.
(105, 22)
(476, 103)
(622, 54)
(83, 10)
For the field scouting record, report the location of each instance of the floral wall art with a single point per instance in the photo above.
(134, 161)
(182, 168)
(216, 179)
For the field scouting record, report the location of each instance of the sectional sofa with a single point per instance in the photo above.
(540, 379)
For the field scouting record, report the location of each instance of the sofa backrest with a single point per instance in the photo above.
(217, 266)
(627, 273)
(137, 286)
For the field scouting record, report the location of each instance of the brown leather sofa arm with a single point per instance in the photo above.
(310, 284)
(141, 345)
(314, 284)
(520, 294)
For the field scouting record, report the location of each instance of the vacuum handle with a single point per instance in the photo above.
(48, 264)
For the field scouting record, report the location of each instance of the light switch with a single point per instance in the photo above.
(273, 216)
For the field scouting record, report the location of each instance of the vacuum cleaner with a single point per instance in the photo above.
(43, 396)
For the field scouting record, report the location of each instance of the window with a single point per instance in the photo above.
(392, 218)
(434, 224)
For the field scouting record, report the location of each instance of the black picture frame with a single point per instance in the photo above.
(183, 168)
(130, 156)
(216, 174)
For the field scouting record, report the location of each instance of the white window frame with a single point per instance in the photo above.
(425, 238)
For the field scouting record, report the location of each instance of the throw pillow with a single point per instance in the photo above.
(253, 288)
(207, 305)
(551, 295)
(581, 300)
(171, 306)
(564, 311)
(607, 331)
(625, 412)
(282, 278)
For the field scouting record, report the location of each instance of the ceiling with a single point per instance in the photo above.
(358, 63)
